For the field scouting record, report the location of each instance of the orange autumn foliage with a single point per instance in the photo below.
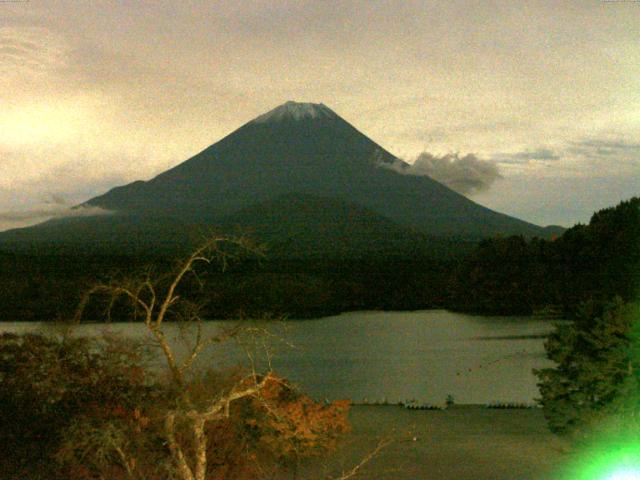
(272, 430)
(265, 433)
(294, 424)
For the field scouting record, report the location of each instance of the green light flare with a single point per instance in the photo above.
(625, 474)
(606, 462)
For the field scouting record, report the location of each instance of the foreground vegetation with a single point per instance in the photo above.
(596, 379)
(80, 408)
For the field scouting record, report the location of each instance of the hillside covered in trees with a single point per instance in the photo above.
(500, 275)
(593, 262)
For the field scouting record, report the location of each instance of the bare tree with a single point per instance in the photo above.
(155, 301)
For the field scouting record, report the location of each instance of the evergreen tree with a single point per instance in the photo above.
(596, 366)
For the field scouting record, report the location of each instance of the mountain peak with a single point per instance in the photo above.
(296, 111)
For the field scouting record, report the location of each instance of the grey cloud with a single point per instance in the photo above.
(51, 210)
(466, 175)
(526, 156)
(589, 149)
(604, 148)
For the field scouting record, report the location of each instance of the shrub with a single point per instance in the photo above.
(47, 382)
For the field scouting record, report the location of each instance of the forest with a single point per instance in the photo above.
(593, 262)
(498, 276)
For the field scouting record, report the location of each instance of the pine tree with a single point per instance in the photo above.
(596, 367)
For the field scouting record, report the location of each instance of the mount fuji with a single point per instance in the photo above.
(297, 171)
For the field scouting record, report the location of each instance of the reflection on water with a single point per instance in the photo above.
(393, 356)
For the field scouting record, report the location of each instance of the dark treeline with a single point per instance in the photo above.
(311, 288)
(509, 275)
(46, 287)
(42, 287)
(593, 262)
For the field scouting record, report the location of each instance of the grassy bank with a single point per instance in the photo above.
(459, 443)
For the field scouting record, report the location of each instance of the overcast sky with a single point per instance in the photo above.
(97, 94)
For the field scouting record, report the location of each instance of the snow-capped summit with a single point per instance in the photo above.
(302, 178)
(296, 111)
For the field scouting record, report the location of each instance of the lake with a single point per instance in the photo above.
(392, 356)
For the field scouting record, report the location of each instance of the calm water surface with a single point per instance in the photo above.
(424, 355)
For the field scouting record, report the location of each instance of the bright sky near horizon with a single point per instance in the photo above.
(98, 94)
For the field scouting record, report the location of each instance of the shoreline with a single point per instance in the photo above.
(464, 442)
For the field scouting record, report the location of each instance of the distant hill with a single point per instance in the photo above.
(300, 225)
(301, 178)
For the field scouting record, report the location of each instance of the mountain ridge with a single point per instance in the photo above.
(300, 148)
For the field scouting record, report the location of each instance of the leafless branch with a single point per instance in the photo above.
(383, 443)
